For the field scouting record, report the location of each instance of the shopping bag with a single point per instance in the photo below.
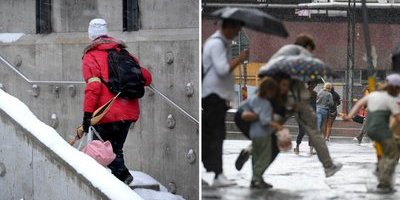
(99, 150)
(284, 139)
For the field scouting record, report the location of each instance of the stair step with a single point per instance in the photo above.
(155, 187)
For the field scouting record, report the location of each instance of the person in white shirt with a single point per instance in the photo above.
(217, 90)
(381, 105)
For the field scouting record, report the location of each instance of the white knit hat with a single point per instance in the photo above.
(393, 79)
(97, 27)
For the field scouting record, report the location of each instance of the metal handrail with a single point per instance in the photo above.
(36, 82)
(329, 5)
(174, 104)
(183, 111)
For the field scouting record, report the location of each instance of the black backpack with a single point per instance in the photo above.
(124, 75)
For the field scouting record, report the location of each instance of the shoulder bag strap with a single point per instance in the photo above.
(206, 72)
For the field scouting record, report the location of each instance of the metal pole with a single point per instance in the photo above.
(370, 66)
(350, 55)
(352, 60)
(240, 70)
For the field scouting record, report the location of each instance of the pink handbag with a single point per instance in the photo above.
(99, 150)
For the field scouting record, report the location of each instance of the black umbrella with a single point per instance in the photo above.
(253, 19)
(396, 59)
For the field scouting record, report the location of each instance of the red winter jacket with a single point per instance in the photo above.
(95, 64)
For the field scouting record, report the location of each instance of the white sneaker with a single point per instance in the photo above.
(355, 139)
(222, 181)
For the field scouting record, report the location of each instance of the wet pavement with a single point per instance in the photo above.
(302, 176)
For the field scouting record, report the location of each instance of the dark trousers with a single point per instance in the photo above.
(302, 131)
(387, 165)
(275, 148)
(300, 135)
(116, 133)
(213, 132)
(363, 131)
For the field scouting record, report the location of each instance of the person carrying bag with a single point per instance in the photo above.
(108, 68)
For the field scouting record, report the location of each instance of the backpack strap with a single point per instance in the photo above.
(220, 38)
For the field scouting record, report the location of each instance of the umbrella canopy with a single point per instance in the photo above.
(253, 19)
(396, 60)
(303, 68)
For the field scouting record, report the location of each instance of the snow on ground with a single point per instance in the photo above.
(99, 176)
(10, 37)
(302, 176)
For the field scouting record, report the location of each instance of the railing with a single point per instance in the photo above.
(155, 90)
(343, 5)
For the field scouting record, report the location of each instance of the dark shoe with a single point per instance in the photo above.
(333, 169)
(128, 180)
(125, 176)
(296, 150)
(381, 189)
(242, 158)
(260, 185)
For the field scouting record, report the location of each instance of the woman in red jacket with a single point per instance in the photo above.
(114, 126)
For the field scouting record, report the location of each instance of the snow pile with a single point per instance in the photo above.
(10, 37)
(83, 164)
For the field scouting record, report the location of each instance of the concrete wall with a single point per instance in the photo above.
(166, 44)
(70, 16)
(30, 170)
(156, 14)
(17, 16)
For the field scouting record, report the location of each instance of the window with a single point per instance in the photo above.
(43, 16)
(130, 15)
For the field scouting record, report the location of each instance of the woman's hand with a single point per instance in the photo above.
(276, 126)
(346, 118)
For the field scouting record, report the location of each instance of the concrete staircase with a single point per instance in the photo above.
(343, 130)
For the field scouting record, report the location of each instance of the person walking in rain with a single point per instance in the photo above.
(217, 90)
(114, 126)
(297, 104)
(279, 111)
(324, 103)
(381, 105)
(313, 102)
(332, 114)
(261, 130)
(362, 115)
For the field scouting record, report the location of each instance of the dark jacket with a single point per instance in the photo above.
(336, 101)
